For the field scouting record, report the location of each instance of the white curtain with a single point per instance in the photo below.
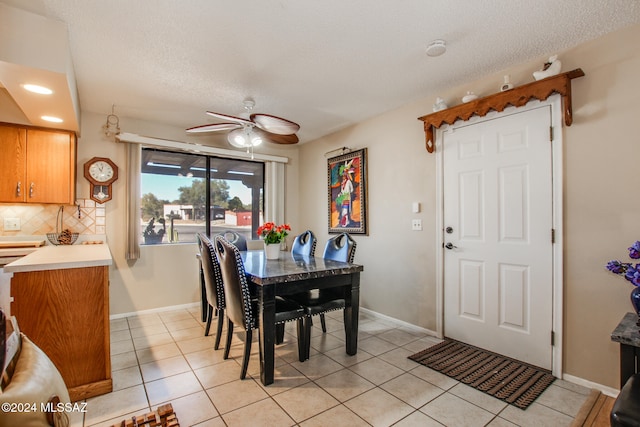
(133, 201)
(274, 192)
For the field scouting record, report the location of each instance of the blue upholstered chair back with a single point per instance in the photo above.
(237, 239)
(340, 248)
(304, 244)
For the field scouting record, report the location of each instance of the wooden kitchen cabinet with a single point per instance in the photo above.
(13, 161)
(39, 165)
(65, 312)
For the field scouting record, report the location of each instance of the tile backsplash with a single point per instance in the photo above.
(84, 218)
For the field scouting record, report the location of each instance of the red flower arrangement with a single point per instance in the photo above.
(271, 233)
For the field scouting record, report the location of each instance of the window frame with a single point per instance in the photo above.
(208, 174)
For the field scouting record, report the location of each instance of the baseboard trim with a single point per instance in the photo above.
(398, 322)
(154, 310)
(609, 391)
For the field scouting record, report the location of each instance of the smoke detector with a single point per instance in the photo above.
(436, 48)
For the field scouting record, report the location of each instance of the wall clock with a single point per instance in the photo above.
(101, 173)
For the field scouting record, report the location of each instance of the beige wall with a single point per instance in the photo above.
(601, 220)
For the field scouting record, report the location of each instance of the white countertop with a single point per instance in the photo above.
(61, 257)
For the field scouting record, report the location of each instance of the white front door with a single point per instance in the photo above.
(498, 220)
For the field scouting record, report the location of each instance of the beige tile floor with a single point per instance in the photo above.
(165, 357)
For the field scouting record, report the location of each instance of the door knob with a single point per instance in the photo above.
(449, 230)
(450, 245)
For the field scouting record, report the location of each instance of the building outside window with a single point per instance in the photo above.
(183, 194)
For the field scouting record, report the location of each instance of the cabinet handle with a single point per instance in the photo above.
(31, 189)
(18, 189)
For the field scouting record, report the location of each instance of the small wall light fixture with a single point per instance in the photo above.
(112, 126)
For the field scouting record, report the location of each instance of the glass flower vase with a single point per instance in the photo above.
(635, 299)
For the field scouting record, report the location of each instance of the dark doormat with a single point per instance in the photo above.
(507, 379)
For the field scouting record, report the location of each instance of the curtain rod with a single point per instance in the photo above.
(186, 146)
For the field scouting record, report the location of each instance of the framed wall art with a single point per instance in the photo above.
(347, 192)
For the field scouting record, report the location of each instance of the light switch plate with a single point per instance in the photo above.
(12, 224)
(416, 224)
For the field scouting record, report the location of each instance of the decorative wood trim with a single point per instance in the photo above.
(517, 97)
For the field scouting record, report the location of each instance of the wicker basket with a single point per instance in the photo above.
(62, 238)
(163, 417)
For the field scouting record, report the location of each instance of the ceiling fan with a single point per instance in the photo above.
(251, 130)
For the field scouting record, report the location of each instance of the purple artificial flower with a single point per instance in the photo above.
(633, 274)
(617, 267)
(634, 250)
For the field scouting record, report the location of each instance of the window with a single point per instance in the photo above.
(183, 194)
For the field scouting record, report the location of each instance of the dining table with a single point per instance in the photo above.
(290, 274)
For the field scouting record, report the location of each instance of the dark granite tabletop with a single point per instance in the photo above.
(290, 268)
(627, 331)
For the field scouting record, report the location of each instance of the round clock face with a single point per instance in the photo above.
(101, 171)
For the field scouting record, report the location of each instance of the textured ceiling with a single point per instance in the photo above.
(323, 64)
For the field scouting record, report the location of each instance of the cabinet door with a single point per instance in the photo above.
(50, 166)
(66, 313)
(13, 145)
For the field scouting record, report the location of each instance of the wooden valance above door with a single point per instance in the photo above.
(517, 97)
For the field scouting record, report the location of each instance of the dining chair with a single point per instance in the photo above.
(204, 305)
(235, 238)
(339, 248)
(242, 309)
(213, 285)
(304, 244)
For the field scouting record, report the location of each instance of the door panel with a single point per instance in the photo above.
(498, 199)
(472, 289)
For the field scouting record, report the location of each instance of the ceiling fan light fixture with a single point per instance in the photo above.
(236, 138)
(436, 48)
(244, 138)
(250, 130)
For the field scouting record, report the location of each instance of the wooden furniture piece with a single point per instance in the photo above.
(517, 97)
(162, 417)
(65, 312)
(292, 274)
(38, 165)
(627, 333)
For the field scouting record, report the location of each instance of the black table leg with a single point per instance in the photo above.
(627, 362)
(267, 319)
(351, 313)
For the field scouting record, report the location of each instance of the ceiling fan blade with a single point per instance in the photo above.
(230, 118)
(273, 124)
(278, 139)
(214, 127)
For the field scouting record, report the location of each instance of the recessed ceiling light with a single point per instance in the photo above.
(52, 119)
(436, 48)
(37, 89)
